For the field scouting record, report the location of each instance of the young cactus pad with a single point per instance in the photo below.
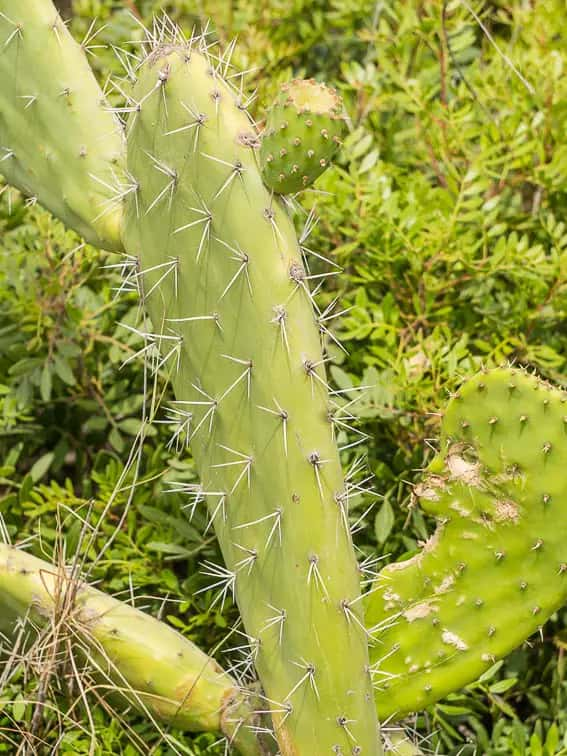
(303, 133)
(59, 142)
(496, 568)
(231, 312)
(156, 669)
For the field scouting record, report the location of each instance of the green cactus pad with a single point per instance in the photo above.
(496, 568)
(231, 312)
(157, 670)
(59, 143)
(303, 133)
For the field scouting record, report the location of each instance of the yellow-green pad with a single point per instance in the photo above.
(303, 132)
(229, 301)
(156, 669)
(496, 567)
(59, 142)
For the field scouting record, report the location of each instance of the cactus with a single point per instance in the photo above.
(496, 568)
(59, 141)
(154, 667)
(303, 132)
(231, 315)
(231, 311)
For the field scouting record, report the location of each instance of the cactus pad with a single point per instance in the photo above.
(59, 142)
(157, 670)
(227, 293)
(303, 133)
(496, 568)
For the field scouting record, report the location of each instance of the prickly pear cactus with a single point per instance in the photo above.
(59, 141)
(303, 132)
(496, 567)
(156, 669)
(223, 281)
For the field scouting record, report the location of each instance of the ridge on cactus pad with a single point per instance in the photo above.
(496, 568)
(59, 142)
(231, 312)
(303, 132)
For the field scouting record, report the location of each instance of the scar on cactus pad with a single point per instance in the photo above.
(303, 132)
(496, 568)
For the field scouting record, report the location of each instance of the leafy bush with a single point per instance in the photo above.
(445, 212)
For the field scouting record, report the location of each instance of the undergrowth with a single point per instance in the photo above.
(446, 213)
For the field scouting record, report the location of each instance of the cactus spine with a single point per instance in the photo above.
(496, 568)
(155, 668)
(59, 142)
(230, 307)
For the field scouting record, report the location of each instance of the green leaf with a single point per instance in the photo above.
(26, 488)
(19, 708)
(490, 672)
(41, 466)
(130, 426)
(552, 740)
(63, 370)
(95, 423)
(116, 441)
(171, 549)
(384, 522)
(536, 748)
(503, 685)
(45, 383)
